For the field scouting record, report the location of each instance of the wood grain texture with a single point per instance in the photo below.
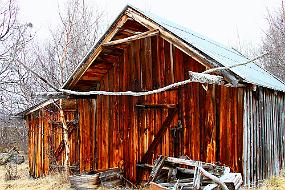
(263, 154)
(238, 127)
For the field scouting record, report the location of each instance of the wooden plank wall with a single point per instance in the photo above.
(114, 132)
(212, 119)
(87, 156)
(45, 135)
(264, 131)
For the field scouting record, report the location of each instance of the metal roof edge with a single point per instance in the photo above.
(36, 107)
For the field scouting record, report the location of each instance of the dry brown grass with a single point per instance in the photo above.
(55, 181)
(274, 183)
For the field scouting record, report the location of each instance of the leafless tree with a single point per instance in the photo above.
(14, 38)
(55, 60)
(274, 43)
(70, 41)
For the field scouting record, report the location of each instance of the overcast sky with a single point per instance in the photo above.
(226, 21)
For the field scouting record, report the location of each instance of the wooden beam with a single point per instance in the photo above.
(128, 31)
(156, 169)
(79, 71)
(171, 113)
(132, 38)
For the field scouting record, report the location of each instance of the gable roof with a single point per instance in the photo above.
(207, 50)
(250, 73)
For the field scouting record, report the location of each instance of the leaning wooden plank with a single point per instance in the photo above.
(156, 169)
(160, 133)
(206, 78)
(214, 178)
(132, 38)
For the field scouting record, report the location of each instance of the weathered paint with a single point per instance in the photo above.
(264, 131)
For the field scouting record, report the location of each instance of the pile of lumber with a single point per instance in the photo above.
(109, 178)
(179, 173)
(85, 181)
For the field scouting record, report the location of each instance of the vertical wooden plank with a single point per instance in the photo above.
(81, 129)
(161, 47)
(111, 106)
(149, 86)
(39, 153)
(245, 139)
(99, 132)
(240, 126)
(116, 118)
(105, 125)
(158, 75)
(46, 143)
(87, 134)
(155, 84)
(131, 86)
(223, 110)
(94, 133)
(121, 111)
(168, 77)
(137, 87)
(125, 113)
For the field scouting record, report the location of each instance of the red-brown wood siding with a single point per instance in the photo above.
(45, 136)
(211, 120)
(115, 132)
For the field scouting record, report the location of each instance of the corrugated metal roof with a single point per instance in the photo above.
(250, 73)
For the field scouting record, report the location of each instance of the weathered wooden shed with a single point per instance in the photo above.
(240, 124)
